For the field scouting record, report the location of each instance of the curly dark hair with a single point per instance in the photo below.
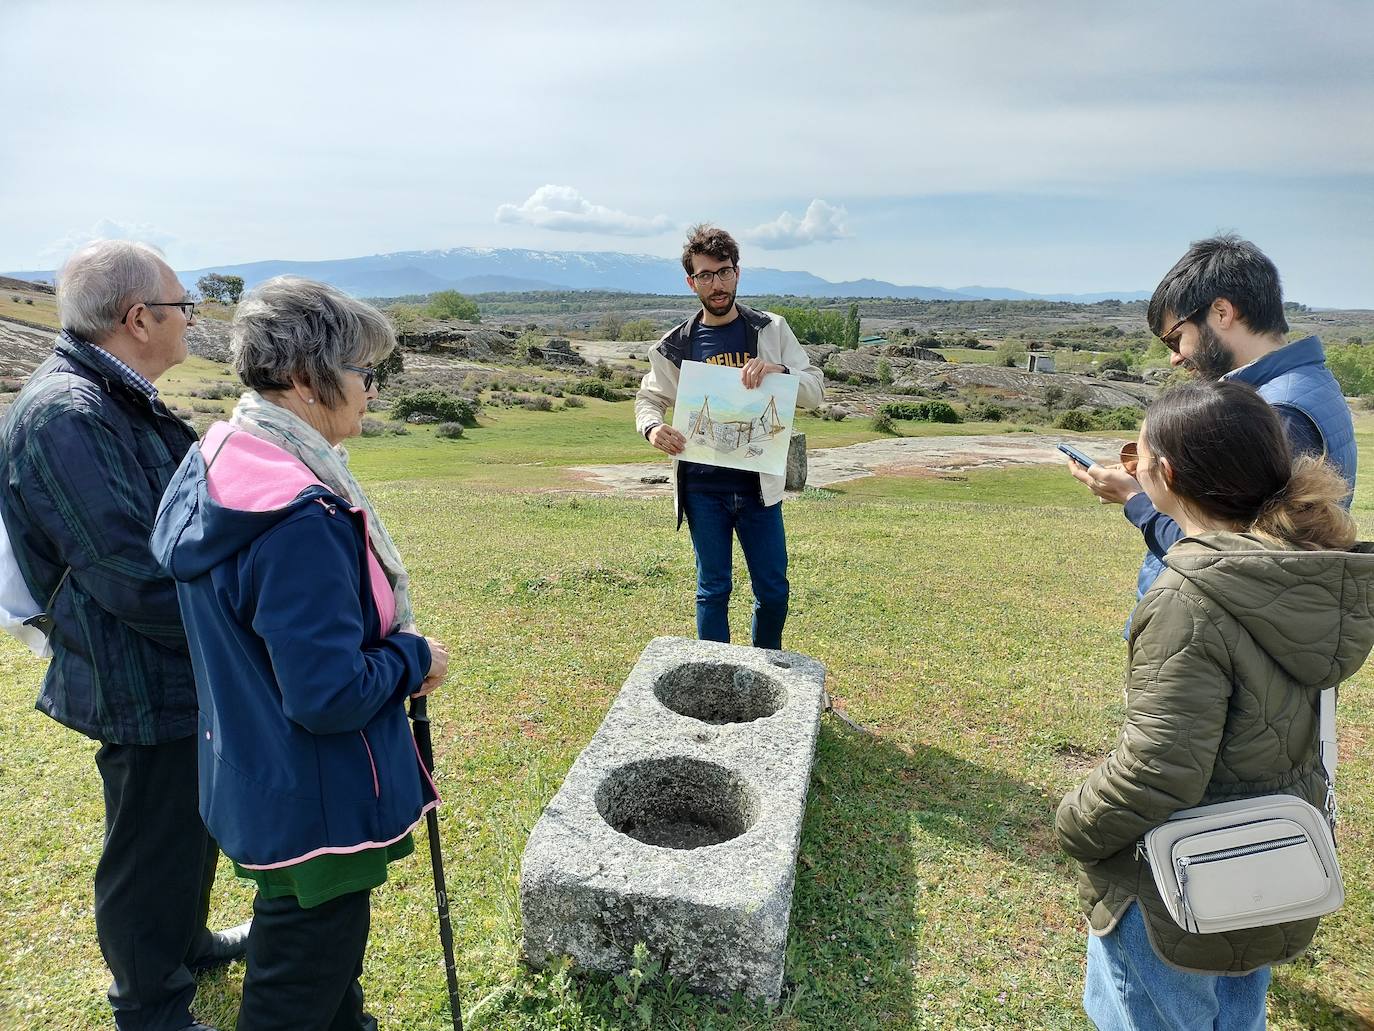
(712, 241)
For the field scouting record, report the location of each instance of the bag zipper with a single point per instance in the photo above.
(1242, 850)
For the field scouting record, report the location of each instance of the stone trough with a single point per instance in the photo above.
(679, 824)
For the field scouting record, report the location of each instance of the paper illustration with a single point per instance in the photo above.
(730, 426)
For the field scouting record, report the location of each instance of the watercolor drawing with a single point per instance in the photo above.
(727, 425)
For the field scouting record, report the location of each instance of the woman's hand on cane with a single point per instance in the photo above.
(438, 667)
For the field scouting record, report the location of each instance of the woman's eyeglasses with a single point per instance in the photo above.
(369, 375)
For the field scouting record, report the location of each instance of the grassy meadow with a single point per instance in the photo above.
(971, 623)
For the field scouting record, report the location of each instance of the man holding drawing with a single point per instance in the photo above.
(719, 502)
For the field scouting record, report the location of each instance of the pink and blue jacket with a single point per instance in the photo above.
(304, 744)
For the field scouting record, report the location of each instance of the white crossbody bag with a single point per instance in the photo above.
(1254, 861)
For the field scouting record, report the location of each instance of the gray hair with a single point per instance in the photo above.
(102, 281)
(290, 328)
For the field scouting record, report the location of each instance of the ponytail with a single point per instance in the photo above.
(1308, 514)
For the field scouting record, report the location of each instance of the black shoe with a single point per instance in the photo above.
(219, 947)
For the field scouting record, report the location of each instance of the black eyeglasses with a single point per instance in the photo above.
(1166, 336)
(188, 308)
(369, 375)
(726, 275)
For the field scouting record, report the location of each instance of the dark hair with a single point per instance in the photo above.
(1221, 266)
(711, 241)
(1230, 459)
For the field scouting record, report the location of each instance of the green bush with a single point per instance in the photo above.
(571, 401)
(1077, 420)
(541, 403)
(985, 411)
(1113, 363)
(639, 329)
(448, 430)
(438, 404)
(373, 427)
(1126, 417)
(1353, 366)
(1010, 354)
(597, 388)
(882, 422)
(884, 371)
(920, 411)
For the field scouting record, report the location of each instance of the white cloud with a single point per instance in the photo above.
(108, 229)
(822, 223)
(564, 209)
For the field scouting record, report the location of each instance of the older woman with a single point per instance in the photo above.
(298, 612)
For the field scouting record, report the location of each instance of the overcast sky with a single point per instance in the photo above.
(1048, 147)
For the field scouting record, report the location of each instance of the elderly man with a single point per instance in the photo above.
(86, 451)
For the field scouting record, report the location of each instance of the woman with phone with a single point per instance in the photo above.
(1264, 603)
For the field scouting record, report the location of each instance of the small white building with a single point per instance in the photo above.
(1040, 363)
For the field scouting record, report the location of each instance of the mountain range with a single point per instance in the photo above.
(495, 270)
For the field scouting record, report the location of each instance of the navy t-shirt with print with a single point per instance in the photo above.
(726, 345)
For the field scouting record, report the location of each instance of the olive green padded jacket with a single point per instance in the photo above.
(1228, 654)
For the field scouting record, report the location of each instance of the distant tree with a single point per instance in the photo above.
(851, 326)
(1053, 395)
(1353, 367)
(450, 304)
(639, 329)
(1076, 397)
(1009, 353)
(610, 326)
(225, 289)
(884, 371)
(813, 326)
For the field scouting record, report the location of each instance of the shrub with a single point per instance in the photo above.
(884, 372)
(882, 422)
(15, 298)
(1053, 395)
(438, 404)
(1126, 417)
(830, 372)
(542, 403)
(920, 411)
(597, 388)
(448, 430)
(28, 300)
(603, 371)
(1077, 396)
(1114, 363)
(985, 411)
(1077, 420)
(573, 401)
(373, 427)
(206, 408)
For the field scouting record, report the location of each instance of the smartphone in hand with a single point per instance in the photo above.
(1076, 455)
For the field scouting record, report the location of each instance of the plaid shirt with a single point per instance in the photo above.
(112, 364)
(86, 451)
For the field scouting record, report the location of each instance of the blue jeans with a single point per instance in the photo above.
(1129, 988)
(714, 520)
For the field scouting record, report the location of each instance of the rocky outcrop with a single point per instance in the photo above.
(23, 348)
(991, 381)
(556, 351)
(458, 340)
(209, 338)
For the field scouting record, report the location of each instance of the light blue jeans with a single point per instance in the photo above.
(1129, 988)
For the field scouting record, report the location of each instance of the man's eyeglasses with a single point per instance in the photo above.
(726, 275)
(188, 308)
(1171, 341)
(369, 375)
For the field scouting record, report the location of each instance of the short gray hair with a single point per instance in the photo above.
(102, 281)
(291, 328)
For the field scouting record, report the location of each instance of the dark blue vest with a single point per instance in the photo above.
(1295, 375)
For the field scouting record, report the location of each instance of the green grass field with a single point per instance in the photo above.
(972, 623)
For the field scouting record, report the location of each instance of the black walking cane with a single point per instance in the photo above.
(419, 716)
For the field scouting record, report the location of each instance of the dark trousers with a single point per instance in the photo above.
(153, 881)
(304, 965)
(715, 520)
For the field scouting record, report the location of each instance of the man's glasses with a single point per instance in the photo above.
(726, 276)
(1171, 341)
(369, 375)
(188, 308)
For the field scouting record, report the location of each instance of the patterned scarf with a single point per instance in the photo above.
(271, 422)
